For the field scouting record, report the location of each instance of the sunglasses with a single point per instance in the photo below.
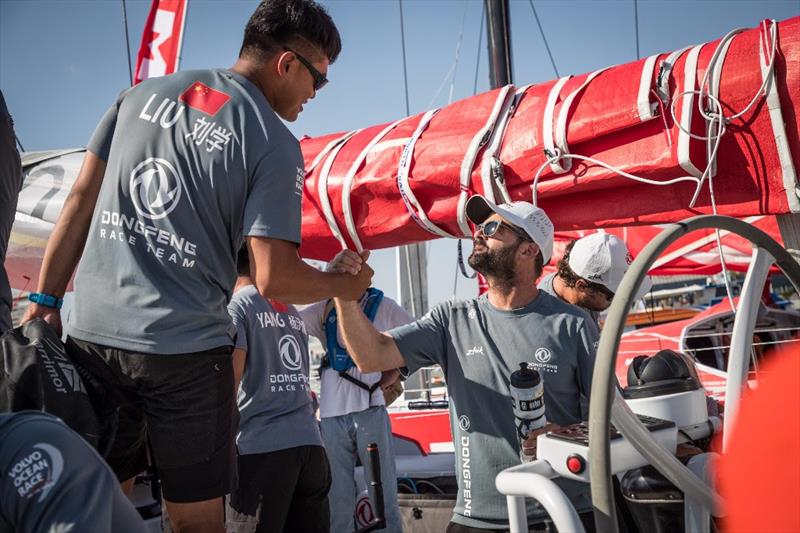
(319, 78)
(602, 289)
(490, 228)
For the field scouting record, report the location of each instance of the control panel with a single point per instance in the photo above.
(567, 449)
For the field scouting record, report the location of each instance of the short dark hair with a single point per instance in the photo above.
(243, 262)
(538, 264)
(296, 23)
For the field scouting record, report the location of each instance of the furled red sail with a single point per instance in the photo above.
(407, 181)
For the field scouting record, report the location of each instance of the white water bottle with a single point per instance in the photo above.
(527, 399)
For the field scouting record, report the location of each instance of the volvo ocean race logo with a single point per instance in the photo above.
(37, 472)
(542, 355)
(155, 188)
(290, 352)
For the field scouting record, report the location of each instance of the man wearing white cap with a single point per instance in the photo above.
(590, 273)
(478, 343)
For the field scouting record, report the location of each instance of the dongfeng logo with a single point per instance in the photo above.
(155, 188)
(542, 355)
(290, 352)
(463, 422)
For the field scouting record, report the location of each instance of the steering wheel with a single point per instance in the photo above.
(604, 387)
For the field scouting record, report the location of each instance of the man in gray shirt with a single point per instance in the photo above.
(180, 171)
(51, 480)
(479, 343)
(284, 476)
(589, 273)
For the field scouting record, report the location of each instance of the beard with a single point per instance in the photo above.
(497, 264)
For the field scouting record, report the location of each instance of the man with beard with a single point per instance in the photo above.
(479, 343)
(590, 272)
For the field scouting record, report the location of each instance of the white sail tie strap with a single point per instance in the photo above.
(413, 206)
(788, 170)
(328, 147)
(684, 133)
(712, 77)
(647, 109)
(468, 163)
(564, 165)
(347, 185)
(491, 166)
(547, 122)
(664, 71)
(322, 188)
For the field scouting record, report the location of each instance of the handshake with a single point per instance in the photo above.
(355, 265)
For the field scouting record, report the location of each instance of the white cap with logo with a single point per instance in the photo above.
(603, 258)
(524, 215)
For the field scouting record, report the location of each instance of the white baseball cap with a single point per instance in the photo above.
(524, 215)
(603, 258)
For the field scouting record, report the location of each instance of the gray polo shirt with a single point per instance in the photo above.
(478, 347)
(274, 397)
(195, 161)
(546, 284)
(52, 480)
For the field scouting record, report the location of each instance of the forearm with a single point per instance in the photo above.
(67, 240)
(370, 349)
(279, 273)
(300, 283)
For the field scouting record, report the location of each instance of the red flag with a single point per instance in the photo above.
(203, 98)
(160, 50)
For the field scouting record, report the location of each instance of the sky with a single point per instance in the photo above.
(63, 62)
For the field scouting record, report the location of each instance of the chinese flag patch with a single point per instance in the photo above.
(279, 306)
(203, 98)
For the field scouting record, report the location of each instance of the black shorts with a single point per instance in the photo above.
(183, 403)
(280, 491)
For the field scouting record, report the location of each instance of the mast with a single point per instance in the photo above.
(498, 30)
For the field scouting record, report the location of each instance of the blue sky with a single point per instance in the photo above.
(62, 63)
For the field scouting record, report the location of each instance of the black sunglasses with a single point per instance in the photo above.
(319, 78)
(491, 227)
(602, 289)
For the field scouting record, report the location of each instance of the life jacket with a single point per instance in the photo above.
(336, 356)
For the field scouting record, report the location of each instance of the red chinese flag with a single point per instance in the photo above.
(203, 98)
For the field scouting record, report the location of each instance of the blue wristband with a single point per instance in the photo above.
(47, 300)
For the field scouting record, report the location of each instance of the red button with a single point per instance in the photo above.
(575, 464)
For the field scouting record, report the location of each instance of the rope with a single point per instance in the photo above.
(127, 41)
(478, 54)
(546, 46)
(403, 44)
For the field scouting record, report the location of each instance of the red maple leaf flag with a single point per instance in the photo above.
(203, 98)
(159, 53)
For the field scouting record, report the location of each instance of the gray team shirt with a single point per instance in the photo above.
(195, 161)
(478, 347)
(546, 284)
(274, 398)
(52, 480)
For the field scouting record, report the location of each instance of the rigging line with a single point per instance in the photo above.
(127, 42)
(458, 53)
(636, 24)
(478, 54)
(403, 45)
(19, 143)
(547, 46)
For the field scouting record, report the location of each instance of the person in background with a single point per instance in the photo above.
(478, 343)
(284, 474)
(180, 171)
(352, 403)
(589, 273)
(10, 183)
